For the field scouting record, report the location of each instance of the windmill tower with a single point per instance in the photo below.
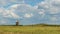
(17, 22)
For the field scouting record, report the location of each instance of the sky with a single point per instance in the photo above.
(29, 12)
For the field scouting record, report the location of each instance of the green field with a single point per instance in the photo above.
(35, 29)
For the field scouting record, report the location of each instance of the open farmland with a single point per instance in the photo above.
(36, 29)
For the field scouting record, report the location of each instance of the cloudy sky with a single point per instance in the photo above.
(29, 12)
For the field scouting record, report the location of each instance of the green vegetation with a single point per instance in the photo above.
(33, 29)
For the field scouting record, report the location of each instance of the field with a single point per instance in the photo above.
(35, 29)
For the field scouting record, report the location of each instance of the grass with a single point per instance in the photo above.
(33, 29)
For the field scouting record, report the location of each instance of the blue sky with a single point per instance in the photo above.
(29, 12)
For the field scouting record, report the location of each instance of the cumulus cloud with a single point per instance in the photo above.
(3, 21)
(28, 15)
(51, 8)
(42, 12)
(3, 12)
(7, 13)
(45, 11)
(53, 19)
(26, 12)
(4, 3)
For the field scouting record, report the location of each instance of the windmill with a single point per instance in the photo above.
(17, 22)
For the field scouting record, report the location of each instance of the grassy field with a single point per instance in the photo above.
(36, 29)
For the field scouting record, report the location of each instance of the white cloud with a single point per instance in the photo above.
(43, 5)
(54, 10)
(52, 6)
(3, 22)
(7, 13)
(53, 19)
(14, 15)
(36, 7)
(28, 15)
(27, 11)
(3, 12)
(14, 6)
(7, 2)
(41, 12)
(21, 9)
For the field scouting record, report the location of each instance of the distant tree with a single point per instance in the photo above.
(43, 24)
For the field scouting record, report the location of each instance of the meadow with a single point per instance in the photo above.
(33, 29)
